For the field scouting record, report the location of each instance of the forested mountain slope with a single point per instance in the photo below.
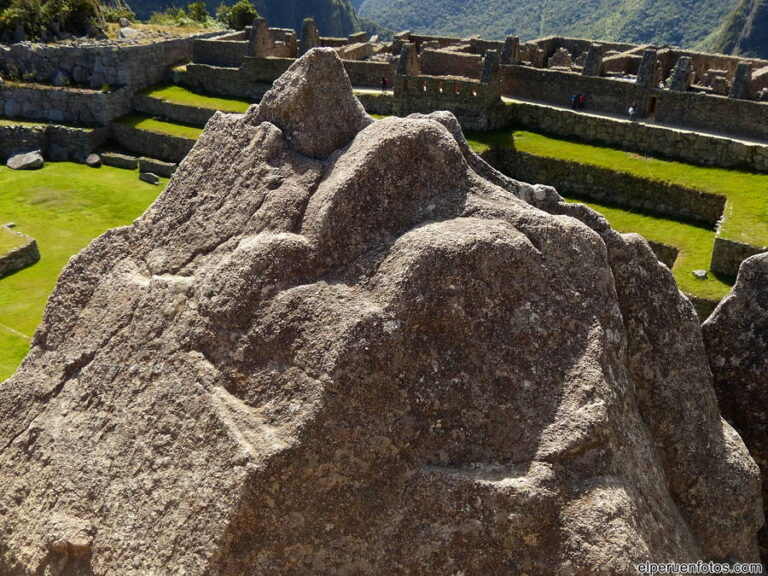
(677, 22)
(745, 31)
(333, 17)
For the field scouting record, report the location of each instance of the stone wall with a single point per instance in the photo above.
(713, 113)
(253, 78)
(471, 101)
(56, 142)
(137, 66)
(234, 82)
(449, 63)
(745, 118)
(382, 103)
(21, 138)
(556, 87)
(635, 137)
(369, 73)
(19, 258)
(185, 114)
(666, 254)
(219, 52)
(610, 187)
(728, 255)
(67, 105)
(154, 144)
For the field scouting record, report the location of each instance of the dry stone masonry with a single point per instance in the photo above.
(335, 346)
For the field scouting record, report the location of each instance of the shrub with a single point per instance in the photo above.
(222, 14)
(198, 12)
(40, 17)
(116, 10)
(241, 15)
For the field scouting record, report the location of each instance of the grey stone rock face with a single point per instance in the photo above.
(93, 160)
(149, 178)
(383, 359)
(26, 161)
(127, 32)
(313, 105)
(736, 338)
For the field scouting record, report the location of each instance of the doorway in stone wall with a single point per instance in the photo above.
(651, 108)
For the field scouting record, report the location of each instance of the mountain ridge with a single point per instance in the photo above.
(686, 23)
(745, 31)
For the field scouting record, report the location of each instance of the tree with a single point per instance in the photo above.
(241, 15)
(198, 12)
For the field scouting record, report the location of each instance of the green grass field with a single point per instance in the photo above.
(63, 206)
(746, 215)
(9, 240)
(141, 122)
(183, 96)
(694, 243)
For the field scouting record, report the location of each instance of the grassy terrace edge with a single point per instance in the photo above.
(174, 94)
(746, 215)
(149, 124)
(64, 206)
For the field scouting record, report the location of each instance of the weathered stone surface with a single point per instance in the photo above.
(385, 362)
(149, 177)
(26, 161)
(315, 121)
(736, 338)
(93, 160)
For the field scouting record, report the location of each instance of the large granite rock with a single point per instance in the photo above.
(26, 161)
(378, 359)
(736, 338)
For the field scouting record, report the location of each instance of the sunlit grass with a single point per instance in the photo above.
(141, 122)
(746, 213)
(184, 96)
(63, 206)
(694, 243)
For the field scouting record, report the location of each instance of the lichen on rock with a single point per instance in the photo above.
(340, 346)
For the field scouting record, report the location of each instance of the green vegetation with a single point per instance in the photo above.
(679, 22)
(9, 240)
(184, 96)
(746, 218)
(45, 19)
(195, 16)
(198, 12)
(333, 17)
(116, 10)
(746, 215)
(744, 32)
(141, 122)
(693, 242)
(7, 122)
(238, 16)
(63, 206)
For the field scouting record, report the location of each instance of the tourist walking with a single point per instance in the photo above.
(383, 83)
(574, 101)
(633, 112)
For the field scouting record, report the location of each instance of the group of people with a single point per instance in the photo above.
(578, 101)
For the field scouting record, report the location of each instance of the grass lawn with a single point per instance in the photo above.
(183, 96)
(695, 244)
(63, 206)
(746, 213)
(141, 122)
(10, 122)
(9, 240)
